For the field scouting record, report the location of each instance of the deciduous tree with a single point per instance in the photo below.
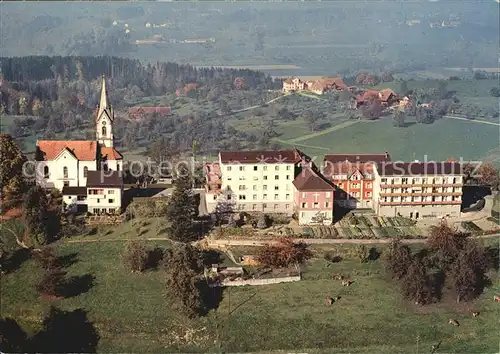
(36, 216)
(11, 168)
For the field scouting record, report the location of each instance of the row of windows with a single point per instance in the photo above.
(255, 187)
(101, 191)
(261, 207)
(256, 178)
(256, 168)
(421, 199)
(354, 185)
(405, 180)
(315, 205)
(46, 171)
(423, 190)
(254, 197)
(315, 195)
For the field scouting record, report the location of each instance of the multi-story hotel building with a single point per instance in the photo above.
(353, 176)
(259, 181)
(418, 190)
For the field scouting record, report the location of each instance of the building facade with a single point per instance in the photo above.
(313, 198)
(418, 190)
(353, 176)
(104, 192)
(254, 181)
(66, 163)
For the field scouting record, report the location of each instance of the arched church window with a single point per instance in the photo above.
(103, 130)
(46, 172)
(65, 172)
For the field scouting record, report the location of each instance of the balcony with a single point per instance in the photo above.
(420, 185)
(447, 202)
(422, 194)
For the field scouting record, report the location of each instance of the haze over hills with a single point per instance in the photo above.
(317, 38)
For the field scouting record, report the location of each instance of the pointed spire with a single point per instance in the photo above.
(103, 102)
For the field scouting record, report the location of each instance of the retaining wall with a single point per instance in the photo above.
(261, 281)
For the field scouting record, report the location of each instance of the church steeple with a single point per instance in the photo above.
(104, 105)
(104, 119)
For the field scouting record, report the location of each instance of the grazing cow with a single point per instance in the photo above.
(454, 322)
(475, 314)
(329, 300)
(338, 277)
(496, 298)
(347, 282)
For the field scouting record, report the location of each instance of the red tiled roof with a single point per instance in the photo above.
(308, 180)
(110, 153)
(253, 157)
(82, 150)
(368, 95)
(385, 94)
(419, 168)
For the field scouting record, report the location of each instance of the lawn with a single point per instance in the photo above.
(132, 312)
(468, 91)
(439, 141)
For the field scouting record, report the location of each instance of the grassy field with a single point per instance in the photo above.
(439, 141)
(133, 312)
(468, 91)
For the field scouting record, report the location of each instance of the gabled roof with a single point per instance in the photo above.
(357, 158)
(385, 94)
(110, 179)
(110, 153)
(254, 157)
(308, 180)
(419, 168)
(83, 150)
(63, 151)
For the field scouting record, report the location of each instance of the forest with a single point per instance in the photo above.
(60, 94)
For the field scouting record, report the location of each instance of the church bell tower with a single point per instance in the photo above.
(104, 118)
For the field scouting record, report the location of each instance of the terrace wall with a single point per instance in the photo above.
(261, 281)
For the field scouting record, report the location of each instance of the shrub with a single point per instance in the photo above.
(136, 256)
(51, 282)
(332, 257)
(279, 219)
(361, 253)
(47, 259)
(263, 221)
(284, 254)
(397, 260)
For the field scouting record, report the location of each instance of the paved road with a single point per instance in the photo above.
(473, 120)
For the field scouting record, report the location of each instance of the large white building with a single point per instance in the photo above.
(61, 163)
(254, 180)
(418, 190)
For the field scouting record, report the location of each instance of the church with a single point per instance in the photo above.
(72, 165)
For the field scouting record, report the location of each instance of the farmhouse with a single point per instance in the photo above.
(318, 87)
(76, 163)
(387, 97)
